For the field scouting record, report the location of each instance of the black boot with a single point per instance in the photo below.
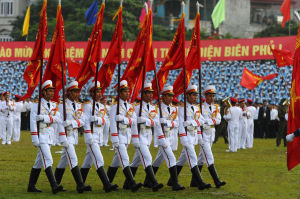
(150, 173)
(111, 172)
(200, 184)
(130, 180)
(127, 182)
(34, 175)
(147, 182)
(194, 180)
(107, 186)
(173, 176)
(55, 187)
(59, 172)
(179, 168)
(81, 187)
(84, 172)
(214, 175)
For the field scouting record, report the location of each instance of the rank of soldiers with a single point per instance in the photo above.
(126, 124)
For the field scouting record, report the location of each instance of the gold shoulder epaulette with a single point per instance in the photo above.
(87, 102)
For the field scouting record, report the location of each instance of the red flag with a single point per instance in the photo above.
(193, 61)
(293, 148)
(142, 55)
(73, 68)
(92, 54)
(285, 9)
(32, 72)
(250, 80)
(113, 56)
(57, 56)
(174, 59)
(282, 57)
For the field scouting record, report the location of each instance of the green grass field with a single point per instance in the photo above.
(260, 172)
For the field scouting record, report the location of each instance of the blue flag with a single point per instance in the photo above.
(91, 13)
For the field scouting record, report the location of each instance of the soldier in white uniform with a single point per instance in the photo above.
(107, 124)
(74, 120)
(190, 135)
(42, 137)
(243, 124)
(149, 123)
(212, 117)
(19, 107)
(123, 128)
(233, 117)
(7, 108)
(252, 111)
(93, 134)
(169, 121)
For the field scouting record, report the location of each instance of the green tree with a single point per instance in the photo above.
(276, 30)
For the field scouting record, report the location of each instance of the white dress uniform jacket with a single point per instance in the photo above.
(233, 117)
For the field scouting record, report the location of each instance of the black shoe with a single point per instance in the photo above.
(84, 172)
(155, 185)
(127, 182)
(107, 186)
(194, 180)
(214, 175)
(173, 176)
(147, 182)
(81, 187)
(55, 187)
(34, 175)
(178, 168)
(198, 179)
(59, 172)
(111, 172)
(131, 184)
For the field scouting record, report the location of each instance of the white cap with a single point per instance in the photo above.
(210, 89)
(47, 84)
(123, 84)
(148, 87)
(192, 89)
(167, 90)
(72, 85)
(92, 86)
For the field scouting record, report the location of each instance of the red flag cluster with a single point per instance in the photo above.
(282, 57)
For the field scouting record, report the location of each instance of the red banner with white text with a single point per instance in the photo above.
(211, 50)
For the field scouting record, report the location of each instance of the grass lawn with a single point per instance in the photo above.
(260, 172)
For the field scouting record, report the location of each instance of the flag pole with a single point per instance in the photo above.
(119, 74)
(143, 80)
(198, 5)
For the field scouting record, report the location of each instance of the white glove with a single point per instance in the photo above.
(136, 145)
(65, 144)
(185, 144)
(141, 120)
(115, 144)
(290, 137)
(89, 141)
(206, 127)
(163, 120)
(94, 118)
(67, 123)
(164, 143)
(119, 118)
(39, 118)
(187, 123)
(36, 144)
(200, 140)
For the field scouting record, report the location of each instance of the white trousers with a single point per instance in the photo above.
(249, 141)
(16, 130)
(205, 155)
(7, 125)
(44, 157)
(165, 154)
(105, 133)
(233, 132)
(142, 155)
(121, 157)
(93, 155)
(243, 133)
(68, 156)
(188, 154)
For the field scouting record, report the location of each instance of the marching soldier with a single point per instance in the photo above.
(43, 138)
(123, 128)
(233, 116)
(170, 123)
(19, 107)
(93, 139)
(250, 122)
(7, 108)
(103, 101)
(149, 121)
(243, 124)
(68, 139)
(190, 135)
(212, 118)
